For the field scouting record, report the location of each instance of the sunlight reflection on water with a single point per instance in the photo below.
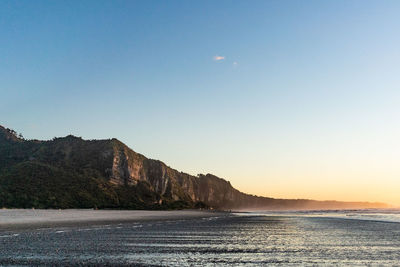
(248, 239)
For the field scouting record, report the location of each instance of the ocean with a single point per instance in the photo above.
(327, 238)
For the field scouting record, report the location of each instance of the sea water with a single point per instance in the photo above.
(301, 238)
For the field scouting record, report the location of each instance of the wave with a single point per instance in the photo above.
(381, 215)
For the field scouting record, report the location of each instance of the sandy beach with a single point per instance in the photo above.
(24, 218)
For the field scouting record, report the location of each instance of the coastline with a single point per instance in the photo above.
(218, 240)
(20, 219)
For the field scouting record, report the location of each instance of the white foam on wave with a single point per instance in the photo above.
(380, 215)
(8, 236)
(374, 217)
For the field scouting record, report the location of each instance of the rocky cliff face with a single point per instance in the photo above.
(129, 167)
(106, 173)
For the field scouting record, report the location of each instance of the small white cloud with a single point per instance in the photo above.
(235, 63)
(218, 58)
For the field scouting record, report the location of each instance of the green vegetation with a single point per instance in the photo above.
(69, 173)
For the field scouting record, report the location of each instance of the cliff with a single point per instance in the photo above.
(71, 172)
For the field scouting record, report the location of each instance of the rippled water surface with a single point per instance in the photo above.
(248, 239)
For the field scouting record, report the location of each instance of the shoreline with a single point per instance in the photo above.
(24, 219)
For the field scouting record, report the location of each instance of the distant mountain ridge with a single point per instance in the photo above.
(70, 172)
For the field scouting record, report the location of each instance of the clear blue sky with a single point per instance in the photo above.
(304, 100)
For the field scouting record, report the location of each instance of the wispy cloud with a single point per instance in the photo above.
(218, 58)
(235, 63)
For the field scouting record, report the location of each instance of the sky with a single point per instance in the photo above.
(287, 99)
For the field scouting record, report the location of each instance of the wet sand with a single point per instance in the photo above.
(14, 219)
